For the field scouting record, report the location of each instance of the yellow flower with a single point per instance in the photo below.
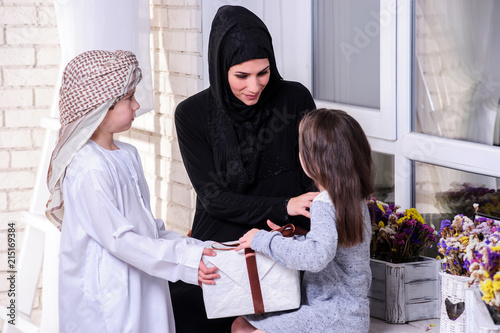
(381, 224)
(496, 283)
(495, 248)
(381, 207)
(487, 288)
(464, 240)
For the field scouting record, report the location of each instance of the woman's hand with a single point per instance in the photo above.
(300, 205)
(207, 275)
(246, 240)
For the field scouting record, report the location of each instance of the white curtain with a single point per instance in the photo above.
(457, 69)
(107, 25)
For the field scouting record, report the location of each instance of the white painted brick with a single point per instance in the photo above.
(50, 55)
(45, 97)
(17, 15)
(16, 97)
(175, 40)
(15, 138)
(146, 122)
(164, 191)
(182, 63)
(17, 180)
(196, 3)
(193, 42)
(47, 16)
(176, 152)
(178, 85)
(2, 37)
(163, 82)
(30, 77)
(192, 85)
(180, 230)
(180, 18)
(37, 137)
(17, 56)
(166, 104)
(32, 35)
(23, 118)
(3, 201)
(25, 158)
(148, 163)
(182, 195)
(140, 141)
(161, 61)
(166, 126)
(6, 217)
(19, 200)
(31, 2)
(179, 214)
(178, 173)
(174, 2)
(4, 159)
(159, 17)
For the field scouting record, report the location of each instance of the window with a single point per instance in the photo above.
(455, 101)
(354, 43)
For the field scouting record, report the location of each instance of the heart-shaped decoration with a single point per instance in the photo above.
(454, 310)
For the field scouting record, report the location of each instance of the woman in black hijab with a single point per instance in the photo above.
(239, 144)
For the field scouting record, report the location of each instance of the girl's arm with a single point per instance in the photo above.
(312, 253)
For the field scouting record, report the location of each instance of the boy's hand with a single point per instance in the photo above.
(207, 275)
(246, 240)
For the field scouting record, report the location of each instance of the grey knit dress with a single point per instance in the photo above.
(335, 282)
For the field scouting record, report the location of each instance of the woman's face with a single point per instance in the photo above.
(248, 79)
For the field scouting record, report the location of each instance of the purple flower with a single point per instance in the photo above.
(444, 224)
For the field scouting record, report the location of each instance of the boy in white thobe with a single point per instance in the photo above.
(115, 258)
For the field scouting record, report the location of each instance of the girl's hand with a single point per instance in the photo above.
(299, 205)
(272, 225)
(207, 275)
(246, 239)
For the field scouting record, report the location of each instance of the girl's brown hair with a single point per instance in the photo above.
(336, 154)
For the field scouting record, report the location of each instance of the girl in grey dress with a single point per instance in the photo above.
(334, 255)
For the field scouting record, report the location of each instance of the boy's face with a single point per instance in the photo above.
(120, 118)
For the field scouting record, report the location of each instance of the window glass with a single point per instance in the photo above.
(441, 193)
(384, 177)
(456, 69)
(347, 52)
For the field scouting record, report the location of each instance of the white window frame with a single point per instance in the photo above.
(379, 123)
(417, 147)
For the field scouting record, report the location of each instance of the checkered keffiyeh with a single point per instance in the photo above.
(92, 83)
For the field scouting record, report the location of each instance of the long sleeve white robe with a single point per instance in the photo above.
(115, 258)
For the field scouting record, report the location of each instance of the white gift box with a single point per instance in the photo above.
(231, 295)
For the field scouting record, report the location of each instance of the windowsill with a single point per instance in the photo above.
(380, 326)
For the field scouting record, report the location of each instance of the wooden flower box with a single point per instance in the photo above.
(402, 292)
(478, 318)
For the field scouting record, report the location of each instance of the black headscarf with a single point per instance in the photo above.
(237, 35)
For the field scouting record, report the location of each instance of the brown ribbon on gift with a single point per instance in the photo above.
(253, 274)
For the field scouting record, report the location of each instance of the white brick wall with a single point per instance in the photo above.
(176, 55)
(29, 58)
